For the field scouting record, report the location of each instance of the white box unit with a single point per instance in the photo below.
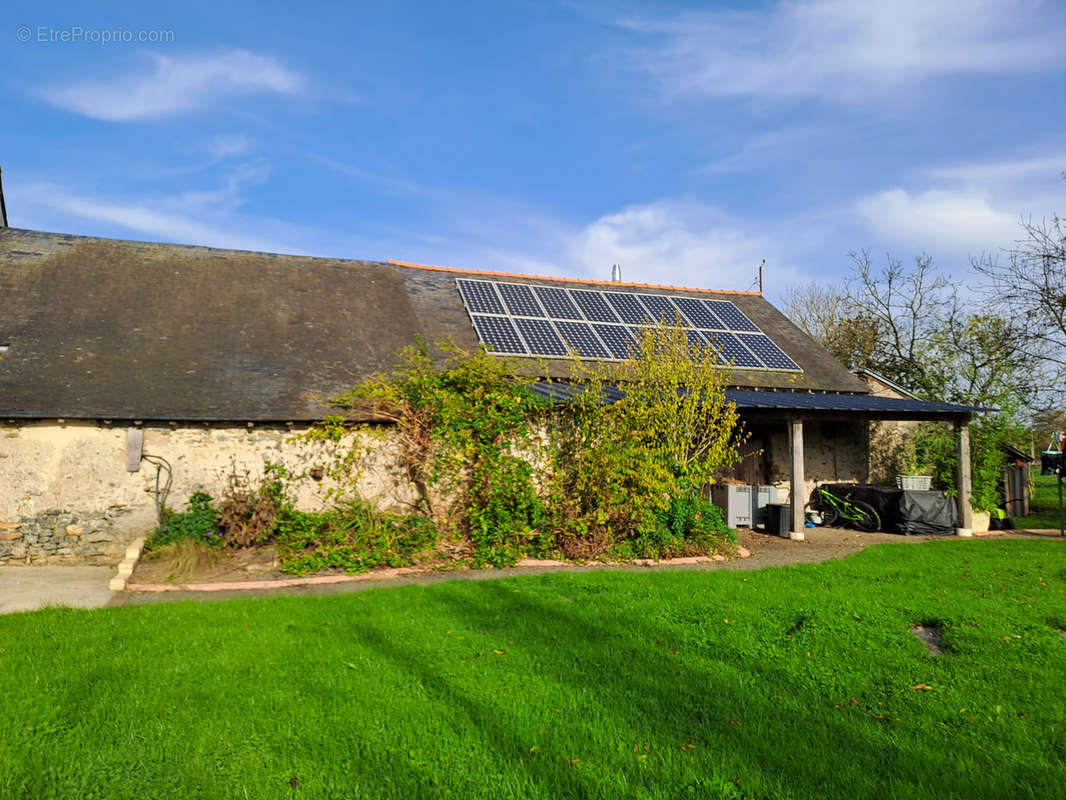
(761, 497)
(735, 502)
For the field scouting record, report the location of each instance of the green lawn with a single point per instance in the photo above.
(1044, 509)
(794, 682)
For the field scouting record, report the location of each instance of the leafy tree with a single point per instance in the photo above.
(1045, 423)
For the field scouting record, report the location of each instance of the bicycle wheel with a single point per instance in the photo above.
(867, 519)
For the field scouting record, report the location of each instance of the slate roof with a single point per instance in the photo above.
(113, 329)
(780, 403)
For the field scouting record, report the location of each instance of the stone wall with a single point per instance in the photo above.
(891, 441)
(834, 452)
(66, 496)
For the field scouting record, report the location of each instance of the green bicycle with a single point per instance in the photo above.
(833, 509)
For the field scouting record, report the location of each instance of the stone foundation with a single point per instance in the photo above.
(57, 537)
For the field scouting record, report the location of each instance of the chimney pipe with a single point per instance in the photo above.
(3, 208)
(616, 273)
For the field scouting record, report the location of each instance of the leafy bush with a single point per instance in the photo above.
(690, 526)
(460, 426)
(353, 537)
(198, 522)
(934, 445)
(627, 477)
(521, 477)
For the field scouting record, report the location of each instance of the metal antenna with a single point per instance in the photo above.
(3, 208)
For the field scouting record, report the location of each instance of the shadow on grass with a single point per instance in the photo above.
(719, 719)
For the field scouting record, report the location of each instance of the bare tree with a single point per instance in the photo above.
(826, 314)
(910, 324)
(1030, 284)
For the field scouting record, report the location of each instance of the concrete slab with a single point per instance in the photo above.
(27, 588)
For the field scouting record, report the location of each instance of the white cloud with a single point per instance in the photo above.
(955, 219)
(844, 49)
(969, 208)
(676, 243)
(174, 85)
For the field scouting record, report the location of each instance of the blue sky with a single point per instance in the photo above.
(685, 142)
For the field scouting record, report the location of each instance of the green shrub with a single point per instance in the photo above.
(626, 477)
(690, 526)
(199, 522)
(459, 426)
(353, 537)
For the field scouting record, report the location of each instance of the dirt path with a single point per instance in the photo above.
(767, 551)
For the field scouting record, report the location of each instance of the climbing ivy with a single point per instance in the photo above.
(464, 427)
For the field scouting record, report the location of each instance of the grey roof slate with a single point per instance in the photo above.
(114, 329)
(797, 402)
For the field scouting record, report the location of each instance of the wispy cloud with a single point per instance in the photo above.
(1005, 171)
(207, 216)
(141, 219)
(384, 183)
(769, 146)
(842, 49)
(175, 85)
(222, 148)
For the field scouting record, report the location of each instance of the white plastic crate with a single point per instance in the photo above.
(735, 502)
(913, 483)
(761, 497)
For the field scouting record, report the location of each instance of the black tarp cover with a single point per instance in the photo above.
(925, 513)
(906, 512)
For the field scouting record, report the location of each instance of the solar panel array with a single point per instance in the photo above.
(549, 321)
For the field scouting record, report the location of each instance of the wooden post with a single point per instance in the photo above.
(134, 448)
(962, 478)
(799, 489)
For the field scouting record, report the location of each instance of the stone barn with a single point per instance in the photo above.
(118, 355)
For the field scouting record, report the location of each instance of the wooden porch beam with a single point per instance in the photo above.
(962, 478)
(798, 494)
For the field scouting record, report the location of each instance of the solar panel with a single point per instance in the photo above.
(695, 340)
(732, 316)
(662, 310)
(520, 300)
(499, 334)
(541, 337)
(557, 303)
(619, 340)
(627, 307)
(553, 322)
(697, 313)
(731, 350)
(480, 297)
(593, 306)
(579, 336)
(771, 355)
